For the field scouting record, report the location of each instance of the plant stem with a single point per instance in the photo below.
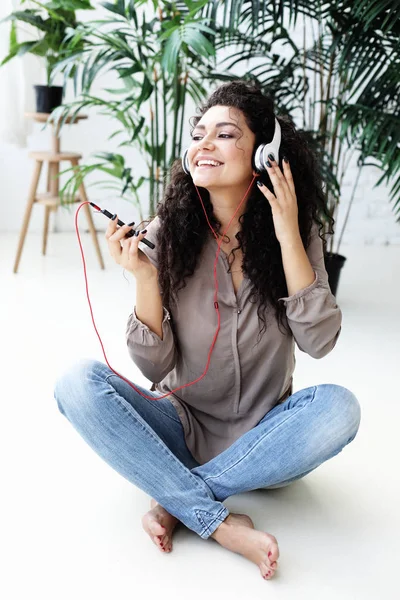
(151, 203)
(349, 207)
(157, 149)
(314, 76)
(176, 110)
(304, 72)
(321, 80)
(165, 133)
(183, 96)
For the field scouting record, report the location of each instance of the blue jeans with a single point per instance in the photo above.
(144, 441)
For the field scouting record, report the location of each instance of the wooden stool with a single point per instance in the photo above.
(51, 199)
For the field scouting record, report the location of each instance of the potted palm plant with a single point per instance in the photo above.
(344, 79)
(170, 52)
(49, 22)
(160, 58)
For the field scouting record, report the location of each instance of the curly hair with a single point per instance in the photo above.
(183, 227)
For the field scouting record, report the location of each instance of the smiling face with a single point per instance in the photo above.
(222, 136)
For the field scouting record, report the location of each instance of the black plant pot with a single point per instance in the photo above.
(333, 265)
(48, 97)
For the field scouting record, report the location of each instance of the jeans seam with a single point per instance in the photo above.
(217, 517)
(147, 400)
(128, 409)
(257, 442)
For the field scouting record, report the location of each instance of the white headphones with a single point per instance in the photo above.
(260, 155)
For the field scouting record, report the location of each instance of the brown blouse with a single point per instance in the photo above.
(244, 380)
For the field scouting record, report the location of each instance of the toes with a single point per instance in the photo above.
(159, 544)
(273, 553)
(271, 560)
(158, 534)
(165, 546)
(163, 543)
(268, 574)
(268, 569)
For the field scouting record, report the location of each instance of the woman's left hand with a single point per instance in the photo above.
(283, 203)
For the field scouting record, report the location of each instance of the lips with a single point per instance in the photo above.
(207, 161)
(208, 166)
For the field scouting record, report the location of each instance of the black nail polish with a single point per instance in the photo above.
(114, 217)
(144, 231)
(260, 183)
(137, 232)
(130, 224)
(285, 159)
(271, 156)
(268, 164)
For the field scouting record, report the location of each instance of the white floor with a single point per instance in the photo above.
(71, 527)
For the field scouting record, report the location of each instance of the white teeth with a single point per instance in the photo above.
(213, 163)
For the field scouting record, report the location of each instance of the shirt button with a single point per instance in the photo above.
(239, 311)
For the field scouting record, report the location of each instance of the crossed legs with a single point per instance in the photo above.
(143, 440)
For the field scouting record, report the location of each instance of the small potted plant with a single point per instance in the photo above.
(51, 21)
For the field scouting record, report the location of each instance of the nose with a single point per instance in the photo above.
(206, 142)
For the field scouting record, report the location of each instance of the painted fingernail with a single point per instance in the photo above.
(114, 217)
(144, 231)
(137, 232)
(260, 183)
(268, 164)
(269, 554)
(285, 159)
(271, 156)
(130, 224)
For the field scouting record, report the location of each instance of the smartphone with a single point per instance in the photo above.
(121, 223)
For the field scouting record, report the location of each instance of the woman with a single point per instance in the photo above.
(239, 427)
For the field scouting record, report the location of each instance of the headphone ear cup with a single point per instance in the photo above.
(185, 162)
(261, 153)
(259, 161)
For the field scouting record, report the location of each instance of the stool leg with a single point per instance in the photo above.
(28, 210)
(86, 208)
(45, 228)
(49, 168)
(47, 210)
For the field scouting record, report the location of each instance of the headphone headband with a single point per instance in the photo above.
(260, 155)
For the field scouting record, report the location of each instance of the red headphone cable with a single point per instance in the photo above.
(215, 297)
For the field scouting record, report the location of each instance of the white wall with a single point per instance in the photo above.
(371, 221)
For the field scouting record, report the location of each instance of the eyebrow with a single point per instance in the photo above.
(223, 124)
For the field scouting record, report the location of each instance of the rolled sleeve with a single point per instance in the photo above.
(154, 356)
(312, 313)
(302, 293)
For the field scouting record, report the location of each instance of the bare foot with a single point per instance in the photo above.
(237, 534)
(159, 524)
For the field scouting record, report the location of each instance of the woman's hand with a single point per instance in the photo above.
(126, 253)
(283, 203)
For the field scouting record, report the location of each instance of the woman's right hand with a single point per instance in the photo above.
(126, 253)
